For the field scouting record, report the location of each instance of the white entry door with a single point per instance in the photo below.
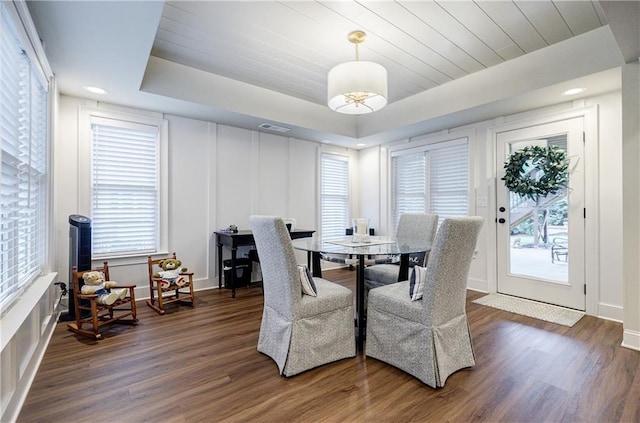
(540, 244)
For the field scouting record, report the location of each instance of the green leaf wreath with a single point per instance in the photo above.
(536, 171)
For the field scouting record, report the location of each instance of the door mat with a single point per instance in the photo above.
(547, 312)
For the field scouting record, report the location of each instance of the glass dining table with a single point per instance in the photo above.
(380, 249)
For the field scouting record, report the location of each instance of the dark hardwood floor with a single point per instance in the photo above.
(201, 365)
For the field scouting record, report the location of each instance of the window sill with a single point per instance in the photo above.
(126, 260)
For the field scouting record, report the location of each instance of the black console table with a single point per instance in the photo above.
(233, 240)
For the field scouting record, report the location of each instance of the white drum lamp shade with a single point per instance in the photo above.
(357, 87)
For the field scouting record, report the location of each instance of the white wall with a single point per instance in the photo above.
(610, 303)
(609, 296)
(631, 211)
(218, 176)
(370, 195)
(189, 193)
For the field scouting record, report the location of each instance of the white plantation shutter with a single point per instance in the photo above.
(409, 185)
(125, 187)
(433, 179)
(335, 196)
(449, 180)
(24, 162)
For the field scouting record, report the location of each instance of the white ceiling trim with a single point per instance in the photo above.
(586, 54)
(589, 53)
(173, 80)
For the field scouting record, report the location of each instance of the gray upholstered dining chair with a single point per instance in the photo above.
(410, 225)
(428, 338)
(299, 331)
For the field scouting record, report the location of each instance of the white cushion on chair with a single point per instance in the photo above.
(306, 281)
(417, 281)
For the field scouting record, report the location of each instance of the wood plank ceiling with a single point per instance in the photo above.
(289, 46)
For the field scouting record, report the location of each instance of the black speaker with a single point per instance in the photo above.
(79, 255)
(79, 242)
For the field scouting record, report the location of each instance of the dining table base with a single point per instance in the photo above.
(360, 318)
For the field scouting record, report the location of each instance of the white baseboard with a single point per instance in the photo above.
(477, 284)
(610, 312)
(631, 339)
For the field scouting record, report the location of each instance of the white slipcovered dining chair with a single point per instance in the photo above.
(299, 331)
(410, 226)
(428, 338)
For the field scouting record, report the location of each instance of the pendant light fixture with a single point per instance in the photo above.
(357, 87)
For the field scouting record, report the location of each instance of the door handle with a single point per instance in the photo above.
(501, 220)
(502, 209)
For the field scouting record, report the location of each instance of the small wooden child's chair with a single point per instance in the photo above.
(161, 293)
(90, 312)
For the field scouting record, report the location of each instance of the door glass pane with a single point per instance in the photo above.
(539, 230)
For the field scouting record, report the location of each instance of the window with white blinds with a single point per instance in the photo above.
(24, 158)
(334, 196)
(125, 192)
(433, 178)
(409, 184)
(449, 180)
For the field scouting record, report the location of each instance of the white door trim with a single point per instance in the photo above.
(591, 196)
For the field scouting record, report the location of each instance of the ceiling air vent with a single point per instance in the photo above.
(276, 128)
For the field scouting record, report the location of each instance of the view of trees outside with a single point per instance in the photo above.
(551, 222)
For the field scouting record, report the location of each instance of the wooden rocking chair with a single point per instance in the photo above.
(160, 296)
(89, 312)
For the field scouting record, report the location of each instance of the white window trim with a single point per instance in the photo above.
(86, 113)
(28, 35)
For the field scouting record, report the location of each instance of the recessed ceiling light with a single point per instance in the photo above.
(96, 90)
(361, 145)
(573, 91)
